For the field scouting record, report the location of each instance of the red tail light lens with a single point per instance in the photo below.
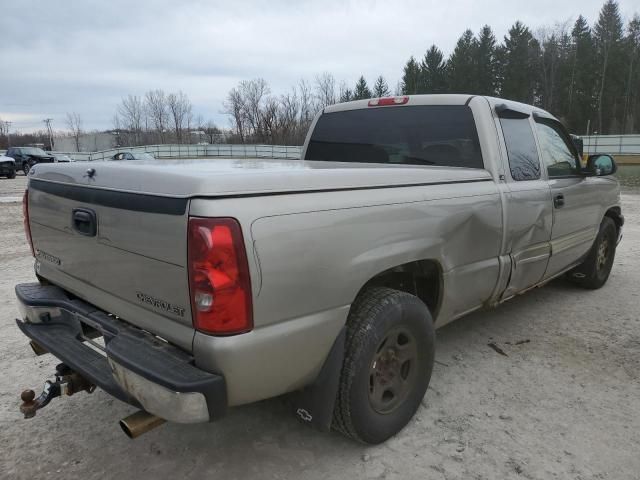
(388, 101)
(219, 281)
(25, 220)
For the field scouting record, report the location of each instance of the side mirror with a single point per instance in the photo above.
(601, 165)
(578, 143)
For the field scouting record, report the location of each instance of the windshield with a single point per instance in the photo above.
(443, 135)
(33, 151)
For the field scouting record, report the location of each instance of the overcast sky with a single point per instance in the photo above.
(84, 56)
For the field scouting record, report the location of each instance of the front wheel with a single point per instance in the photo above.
(12, 174)
(26, 168)
(388, 362)
(594, 271)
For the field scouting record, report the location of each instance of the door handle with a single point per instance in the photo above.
(558, 201)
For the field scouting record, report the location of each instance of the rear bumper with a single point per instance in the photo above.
(132, 365)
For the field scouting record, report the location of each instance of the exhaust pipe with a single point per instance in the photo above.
(140, 422)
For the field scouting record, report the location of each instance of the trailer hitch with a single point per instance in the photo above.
(67, 382)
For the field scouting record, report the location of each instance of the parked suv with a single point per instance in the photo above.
(26, 157)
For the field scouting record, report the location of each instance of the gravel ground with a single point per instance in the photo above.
(563, 403)
(12, 188)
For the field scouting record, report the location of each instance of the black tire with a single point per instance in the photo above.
(383, 321)
(25, 168)
(594, 271)
(12, 175)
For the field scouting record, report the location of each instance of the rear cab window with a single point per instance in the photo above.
(439, 135)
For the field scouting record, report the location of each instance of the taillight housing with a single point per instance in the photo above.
(219, 282)
(25, 220)
(388, 101)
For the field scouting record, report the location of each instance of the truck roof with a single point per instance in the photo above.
(441, 99)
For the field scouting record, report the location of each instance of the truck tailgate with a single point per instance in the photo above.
(123, 252)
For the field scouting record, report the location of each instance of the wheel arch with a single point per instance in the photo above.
(422, 278)
(615, 214)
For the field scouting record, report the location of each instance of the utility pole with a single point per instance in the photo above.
(47, 122)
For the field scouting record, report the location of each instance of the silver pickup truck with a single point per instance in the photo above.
(186, 287)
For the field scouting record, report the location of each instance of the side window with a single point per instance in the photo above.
(521, 149)
(556, 150)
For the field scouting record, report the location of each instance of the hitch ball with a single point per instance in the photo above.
(28, 404)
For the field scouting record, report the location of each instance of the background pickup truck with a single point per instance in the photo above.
(218, 283)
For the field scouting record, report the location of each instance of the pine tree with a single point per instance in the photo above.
(632, 81)
(581, 94)
(485, 63)
(520, 65)
(607, 34)
(346, 95)
(381, 89)
(361, 91)
(433, 72)
(411, 77)
(461, 65)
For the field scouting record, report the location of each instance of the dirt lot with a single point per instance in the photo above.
(563, 403)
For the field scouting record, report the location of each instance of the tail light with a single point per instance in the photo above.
(25, 220)
(388, 101)
(219, 281)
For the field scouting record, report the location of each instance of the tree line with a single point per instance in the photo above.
(588, 76)
(160, 117)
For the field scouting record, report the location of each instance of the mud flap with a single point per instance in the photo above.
(314, 404)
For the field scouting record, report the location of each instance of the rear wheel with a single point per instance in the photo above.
(388, 361)
(594, 271)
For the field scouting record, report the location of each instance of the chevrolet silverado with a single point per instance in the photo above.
(185, 287)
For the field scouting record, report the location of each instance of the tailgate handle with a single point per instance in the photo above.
(84, 221)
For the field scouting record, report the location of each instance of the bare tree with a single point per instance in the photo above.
(307, 108)
(234, 106)
(254, 93)
(325, 90)
(74, 124)
(180, 109)
(270, 120)
(131, 113)
(157, 110)
(289, 111)
(211, 131)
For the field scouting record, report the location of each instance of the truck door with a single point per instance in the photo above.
(576, 206)
(528, 212)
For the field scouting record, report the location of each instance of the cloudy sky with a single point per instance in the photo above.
(84, 56)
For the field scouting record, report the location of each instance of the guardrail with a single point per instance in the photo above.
(612, 144)
(291, 152)
(195, 151)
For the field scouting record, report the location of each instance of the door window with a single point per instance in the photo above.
(521, 149)
(557, 150)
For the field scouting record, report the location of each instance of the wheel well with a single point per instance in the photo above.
(615, 214)
(422, 278)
